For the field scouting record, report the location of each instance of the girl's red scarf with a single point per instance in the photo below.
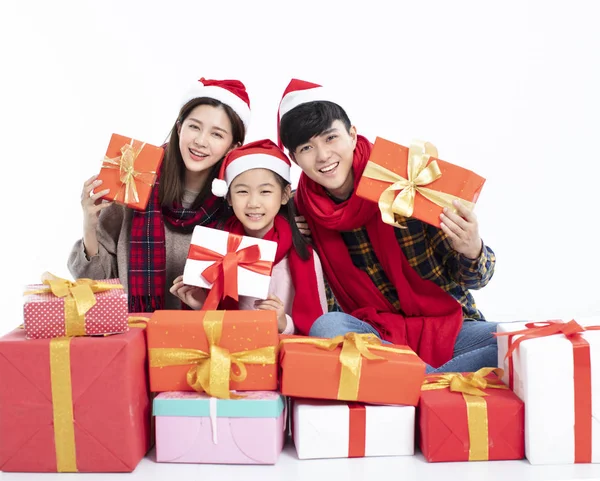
(306, 305)
(430, 318)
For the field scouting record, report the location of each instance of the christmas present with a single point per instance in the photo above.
(196, 428)
(555, 371)
(354, 367)
(73, 404)
(59, 307)
(229, 264)
(332, 429)
(413, 182)
(129, 170)
(470, 417)
(213, 351)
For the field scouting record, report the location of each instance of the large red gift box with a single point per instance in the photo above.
(470, 417)
(73, 404)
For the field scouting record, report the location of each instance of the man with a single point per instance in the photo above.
(407, 286)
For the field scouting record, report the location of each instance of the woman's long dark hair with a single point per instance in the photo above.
(172, 182)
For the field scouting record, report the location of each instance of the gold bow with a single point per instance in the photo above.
(354, 348)
(79, 298)
(211, 371)
(419, 174)
(128, 175)
(471, 386)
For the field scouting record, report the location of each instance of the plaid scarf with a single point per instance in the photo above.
(147, 253)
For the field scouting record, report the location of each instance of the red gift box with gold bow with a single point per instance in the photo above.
(83, 307)
(229, 265)
(470, 417)
(213, 351)
(129, 170)
(413, 182)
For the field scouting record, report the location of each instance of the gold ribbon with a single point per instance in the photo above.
(354, 348)
(79, 298)
(138, 321)
(419, 175)
(211, 371)
(471, 387)
(125, 163)
(62, 405)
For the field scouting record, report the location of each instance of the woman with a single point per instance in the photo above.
(147, 250)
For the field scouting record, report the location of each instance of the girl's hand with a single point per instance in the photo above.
(273, 303)
(193, 296)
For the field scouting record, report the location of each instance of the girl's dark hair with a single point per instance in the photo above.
(172, 182)
(306, 120)
(289, 212)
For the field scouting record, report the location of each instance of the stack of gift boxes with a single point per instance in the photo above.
(77, 380)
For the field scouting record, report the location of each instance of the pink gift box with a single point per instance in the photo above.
(44, 314)
(195, 428)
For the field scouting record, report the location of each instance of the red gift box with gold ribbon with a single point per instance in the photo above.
(213, 351)
(129, 170)
(354, 367)
(470, 417)
(414, 182)
(73, 404)
(83, 307)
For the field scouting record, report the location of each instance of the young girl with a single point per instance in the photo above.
(147, 249)
(256, 180)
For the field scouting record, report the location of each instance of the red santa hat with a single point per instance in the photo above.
(261, 154)
(300, 92)
(229, 92)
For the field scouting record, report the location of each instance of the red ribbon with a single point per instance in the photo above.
(223, 273)
(582, 375)
(358, 430)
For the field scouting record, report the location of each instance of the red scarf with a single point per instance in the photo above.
(430, 318)
(147, 252)
(307, 306)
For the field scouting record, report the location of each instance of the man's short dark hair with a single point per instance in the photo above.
(302, 123)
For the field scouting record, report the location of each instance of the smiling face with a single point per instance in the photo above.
(256, 196)
(327, 159)
(205, 136)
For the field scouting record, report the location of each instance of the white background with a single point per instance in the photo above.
(510, 90)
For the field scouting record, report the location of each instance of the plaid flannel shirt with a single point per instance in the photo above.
(429, 252)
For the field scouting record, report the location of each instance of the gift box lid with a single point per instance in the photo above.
(253, 404)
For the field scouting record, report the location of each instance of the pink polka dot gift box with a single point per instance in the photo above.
(60, 307)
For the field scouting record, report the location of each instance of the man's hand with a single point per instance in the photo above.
(462, 230)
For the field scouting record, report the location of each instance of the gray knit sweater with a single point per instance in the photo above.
(112, 260)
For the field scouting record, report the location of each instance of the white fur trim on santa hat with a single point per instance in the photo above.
(222, 95)
(257, 161)
(298, 97)
(219, 187)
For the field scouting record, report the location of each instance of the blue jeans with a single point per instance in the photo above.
(475, 345)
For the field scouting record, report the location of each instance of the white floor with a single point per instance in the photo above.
(289, 468)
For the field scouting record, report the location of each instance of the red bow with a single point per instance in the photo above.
(534, 330)
(223, 273)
